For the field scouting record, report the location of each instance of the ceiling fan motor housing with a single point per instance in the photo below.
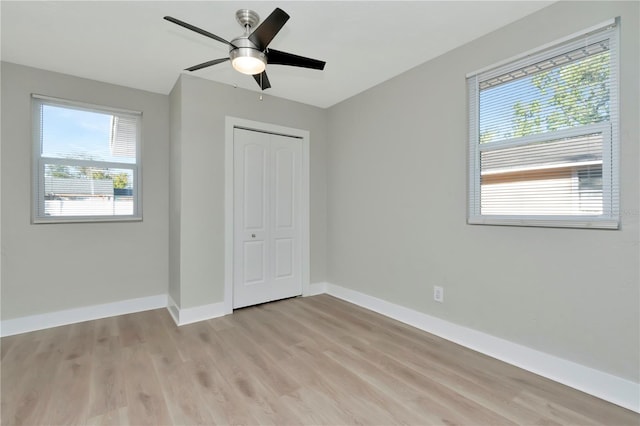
(242, 48)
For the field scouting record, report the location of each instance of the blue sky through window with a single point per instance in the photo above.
(78, 134)
(497, 112)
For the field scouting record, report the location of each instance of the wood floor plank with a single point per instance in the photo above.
(243, 348)
(349, 389)
(116, 417)
(130, 330)
(497, 397)
(426, 409)
(7, 343)
(19, 357)
(258, 387)
(145, 400)
(314, 408)
(107, 390)
(69, 402)
(190, 340)
(301, 361)
(222, 399)
(183, 401)
(29, 383)
(81, 340)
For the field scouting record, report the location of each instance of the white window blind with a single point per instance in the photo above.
(86, 162)
(543, 136)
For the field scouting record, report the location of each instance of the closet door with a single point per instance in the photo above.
(267, 235)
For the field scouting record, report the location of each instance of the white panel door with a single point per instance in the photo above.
(267, 235)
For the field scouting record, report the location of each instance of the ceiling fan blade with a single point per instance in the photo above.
(268, 29)
(206, 64)
(276, 57)
(262, 80)
(198, 30)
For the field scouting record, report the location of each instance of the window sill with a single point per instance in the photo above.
(96, 219)
(546, 222)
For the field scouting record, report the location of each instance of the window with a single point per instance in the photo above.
(86, 162)
(543, 136)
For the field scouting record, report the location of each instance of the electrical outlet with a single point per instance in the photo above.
(438, 294)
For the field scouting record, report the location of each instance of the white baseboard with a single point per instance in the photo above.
(611, 388)
(315, 288)
(87, 313)
(195, 314)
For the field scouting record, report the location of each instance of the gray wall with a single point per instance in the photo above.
(204, 106)
(397, 209)
(51, 267)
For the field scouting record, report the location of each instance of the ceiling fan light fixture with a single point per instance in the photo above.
(248, 61)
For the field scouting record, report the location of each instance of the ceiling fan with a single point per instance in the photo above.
(249, 53)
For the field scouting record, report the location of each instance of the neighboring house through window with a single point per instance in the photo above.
(86, 162)
(543, 136)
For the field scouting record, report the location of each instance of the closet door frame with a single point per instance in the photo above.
(230, 124)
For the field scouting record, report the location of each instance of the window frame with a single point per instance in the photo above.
(610, 218)
(39, 161)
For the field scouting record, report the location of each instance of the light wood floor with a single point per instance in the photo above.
(315, 360)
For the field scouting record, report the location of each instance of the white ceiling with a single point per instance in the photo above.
(128, 43)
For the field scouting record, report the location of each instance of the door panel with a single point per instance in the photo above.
(255, 182)
(284, 253)
(267, 235)
(284, 186)
(254, 262)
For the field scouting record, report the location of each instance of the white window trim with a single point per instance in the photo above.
(610, 155)
(37, 176)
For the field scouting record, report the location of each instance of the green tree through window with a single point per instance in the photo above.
(579, 95)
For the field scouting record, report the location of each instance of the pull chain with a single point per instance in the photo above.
(261, 87)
